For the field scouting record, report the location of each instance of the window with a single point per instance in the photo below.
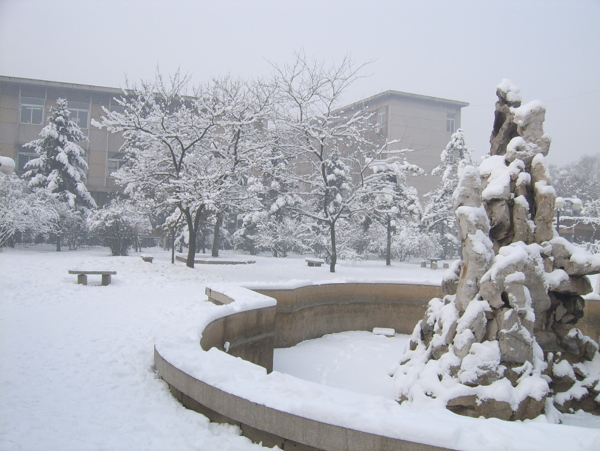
(32, 110)
(451, 122)
(453, 157)
(114, 164)
(25, 154)
(381, 119)
(80, 112)
(116, 108)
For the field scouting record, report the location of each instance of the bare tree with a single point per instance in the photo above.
(330, 145)
(189, 151)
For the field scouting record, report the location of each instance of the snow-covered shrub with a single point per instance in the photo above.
(23, 212)
(592, 248)
(410, 241)
(281, 237)
(118, 224)
(74, 229)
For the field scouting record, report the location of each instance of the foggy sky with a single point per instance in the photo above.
(457, 49)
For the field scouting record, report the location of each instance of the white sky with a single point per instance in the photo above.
(457, 49)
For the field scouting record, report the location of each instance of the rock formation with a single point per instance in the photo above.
(503, 341)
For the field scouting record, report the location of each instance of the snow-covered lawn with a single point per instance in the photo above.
(76, 362)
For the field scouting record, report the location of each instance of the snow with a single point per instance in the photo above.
(524, 111)
(332, 360)
(513, 93)
(77, 361)
(563, 369)
(7, 165)
(498, 184)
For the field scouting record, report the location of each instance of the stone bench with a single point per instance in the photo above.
(433, 262)
(314, 261)
(147, 258)
(82, 276)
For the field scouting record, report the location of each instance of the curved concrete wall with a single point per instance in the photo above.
(312, 311)
(301, 313)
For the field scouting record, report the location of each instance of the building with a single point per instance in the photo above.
(421, 123)
(24, 108)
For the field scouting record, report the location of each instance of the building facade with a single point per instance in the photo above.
(24, 110)
(421, 123)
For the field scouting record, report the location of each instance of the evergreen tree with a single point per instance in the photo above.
(388, 198)
(60, 168)
(438, 213)
(578, 186)
(275, 226)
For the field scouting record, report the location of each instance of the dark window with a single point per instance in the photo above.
(451, 122)
(115, 107)
(25, 155)
(114, 163)
(381, 119)
(80, 112)
(32, 110)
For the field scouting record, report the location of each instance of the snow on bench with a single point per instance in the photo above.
(82, 275)
(147, 258)
(386, 331)
(314, 261)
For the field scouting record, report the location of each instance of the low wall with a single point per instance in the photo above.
(301, 313)
(249, 335)
(590, 323)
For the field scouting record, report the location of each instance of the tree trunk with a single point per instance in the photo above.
(173, 246)
(442, 240)
(58, 242)
(388, 249)
(192, 221)
(333, 248)
(217, 235)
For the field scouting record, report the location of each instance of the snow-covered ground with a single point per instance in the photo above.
(76, 362)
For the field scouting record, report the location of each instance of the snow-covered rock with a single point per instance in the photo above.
(503, 341)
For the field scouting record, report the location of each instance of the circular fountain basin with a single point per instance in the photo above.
(223, 368)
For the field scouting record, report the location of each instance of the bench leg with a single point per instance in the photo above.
(105, 279)
(82, 279)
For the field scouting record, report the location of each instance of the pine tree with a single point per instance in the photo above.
(439, 211)
(388, 198)
(60, 164)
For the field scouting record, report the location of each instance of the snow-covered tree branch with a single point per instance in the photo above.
(191, 151)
